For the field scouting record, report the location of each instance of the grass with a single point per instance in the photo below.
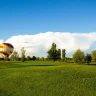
(46, 78)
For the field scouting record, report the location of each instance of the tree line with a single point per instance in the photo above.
(78, 57)
(15, 57)
(55, 54)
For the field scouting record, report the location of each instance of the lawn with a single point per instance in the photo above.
(47, 78)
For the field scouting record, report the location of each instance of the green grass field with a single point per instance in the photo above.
(47, 78)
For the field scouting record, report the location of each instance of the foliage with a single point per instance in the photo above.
(6, 58)
(88, 58)
(79, 56)
(28, 58)
(14, 56)
(23, 54)
(38, 58)
(42, 58)
(34, 58)
(23, 58)
(63, 54)
(93, 54)
(59, 54)
(53, 53)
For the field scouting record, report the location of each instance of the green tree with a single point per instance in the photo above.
(52, 52)
(23, 54)
(63, 54)
(6, 58)
(34, 58)
(93, 54)
(14, 56)
(42, 58)
(28, 58)
(78, 57)
(88, 58)
(59, 54)
(38, 58)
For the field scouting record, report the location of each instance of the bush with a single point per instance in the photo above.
(79, 56)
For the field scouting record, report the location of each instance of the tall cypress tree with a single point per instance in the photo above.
(52, 52)
(23, 54)
(63, 54)
(59, 54)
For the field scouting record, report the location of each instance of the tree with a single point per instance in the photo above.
(59, 54)
(28, 58)
(63, 54)
(34, 58)
(14, 56)
(52, 52)
(6, 58)
(93, 54)
(42, 58)
(23, 54)
(38, 58)
(88, 58)
(78, 57)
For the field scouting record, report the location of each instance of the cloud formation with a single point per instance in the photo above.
(39, 44)
(1, 41)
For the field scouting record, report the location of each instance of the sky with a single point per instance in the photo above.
(74, 19)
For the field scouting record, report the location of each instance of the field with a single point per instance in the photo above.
(47, 78)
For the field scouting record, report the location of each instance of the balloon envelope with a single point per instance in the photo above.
(6, 49)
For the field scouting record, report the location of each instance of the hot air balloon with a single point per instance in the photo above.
(6, 49)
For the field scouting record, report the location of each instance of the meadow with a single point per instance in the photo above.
(47, 78)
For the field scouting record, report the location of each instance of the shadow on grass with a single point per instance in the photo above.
(92, 64)
(69, 62)
(12, 65)
(22, 66)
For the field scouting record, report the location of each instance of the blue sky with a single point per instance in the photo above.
(35, 16)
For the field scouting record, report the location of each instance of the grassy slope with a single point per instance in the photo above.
(47, 79)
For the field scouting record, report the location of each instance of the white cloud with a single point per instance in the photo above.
(1, 41)
(38, 44)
